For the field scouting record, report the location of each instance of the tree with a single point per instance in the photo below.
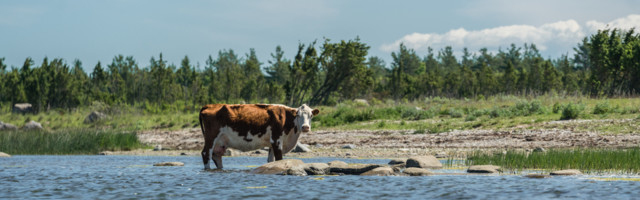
(509, 79)
(345, 71)
(254, 82)
(404, 68)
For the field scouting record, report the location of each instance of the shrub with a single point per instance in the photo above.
(602, 108)
(557, 107)
(470, 117)
(571, 111)
(453, 113)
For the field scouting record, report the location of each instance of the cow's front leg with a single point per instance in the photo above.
(270, 158)
(276, 148)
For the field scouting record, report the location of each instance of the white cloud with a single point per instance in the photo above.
(560, 36)
(628, 22)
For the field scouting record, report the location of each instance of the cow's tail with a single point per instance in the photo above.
(200, 118)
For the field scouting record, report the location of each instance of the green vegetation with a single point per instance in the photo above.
(434, 115)
(587, 160)
(66, 142)
(604, 64)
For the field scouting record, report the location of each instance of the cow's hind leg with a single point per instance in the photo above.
(206, 153)
(217, 159)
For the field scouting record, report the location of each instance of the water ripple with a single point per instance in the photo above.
(132, 177)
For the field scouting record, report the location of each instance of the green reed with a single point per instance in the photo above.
(66, 142)
(588, 160)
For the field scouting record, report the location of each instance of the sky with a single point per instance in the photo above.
(96, 31)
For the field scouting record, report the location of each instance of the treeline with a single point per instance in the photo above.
(604, 64)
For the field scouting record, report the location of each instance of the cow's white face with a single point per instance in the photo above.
(303, 117)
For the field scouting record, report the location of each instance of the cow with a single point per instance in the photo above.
(252, 126)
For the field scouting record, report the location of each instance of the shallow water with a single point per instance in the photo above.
(134, 177)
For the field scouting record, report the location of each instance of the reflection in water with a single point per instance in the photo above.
(120, 177)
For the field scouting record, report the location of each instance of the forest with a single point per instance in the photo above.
(605, 64)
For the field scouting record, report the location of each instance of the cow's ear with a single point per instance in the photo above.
(315, 112)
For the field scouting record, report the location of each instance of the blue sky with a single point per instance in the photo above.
(93, 31)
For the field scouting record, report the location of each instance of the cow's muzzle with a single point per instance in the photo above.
(305, 128)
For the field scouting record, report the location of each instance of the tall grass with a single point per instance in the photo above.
(588, 160)
(66, 142)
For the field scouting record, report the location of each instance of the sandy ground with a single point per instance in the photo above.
(398, 143)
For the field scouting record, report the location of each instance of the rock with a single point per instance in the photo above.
(566, 172)
(277, 167)
(94, 117)
(157, 148)
(32, 125)
(424, 162)
(105, 153)
(414, 171)
(337, 163)
(441, 155)
(165, 164)
(316, 168)
(397, 168)
(6, 126)
(537, 176)
(349, 146)
(319, 145)
(183, 154)
(380, 171)
(4, 155)
(353, 169)
(539, 149)
(301, 148)
(22, 108)
(483, 169)
(297, 170)
(398, 161)
(231, 152)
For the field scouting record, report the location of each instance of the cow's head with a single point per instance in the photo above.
(303, 117)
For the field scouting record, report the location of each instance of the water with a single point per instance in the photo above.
(134, 177)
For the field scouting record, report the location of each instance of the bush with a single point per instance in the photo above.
(557, 107)
(453, 113)
(602, 108)
(572, 111)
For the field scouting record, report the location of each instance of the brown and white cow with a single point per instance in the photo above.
(252, 126)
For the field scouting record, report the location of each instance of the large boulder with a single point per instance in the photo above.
(398, 161)
(6, 126)
(380, 171)
(424, 162)
(94, 117)
(566, 172)
(337, 163)
(22, 108)
(301, 148)
(4, 155)
(297, 170)
(32, 125)
(483, 169)
(316, 168)
(277, 167)
(164, 164)
(414, 171)
(353, 169)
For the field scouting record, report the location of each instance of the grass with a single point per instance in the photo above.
(66, 142)
(128, 118)
(586, 160)
(433, 115)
